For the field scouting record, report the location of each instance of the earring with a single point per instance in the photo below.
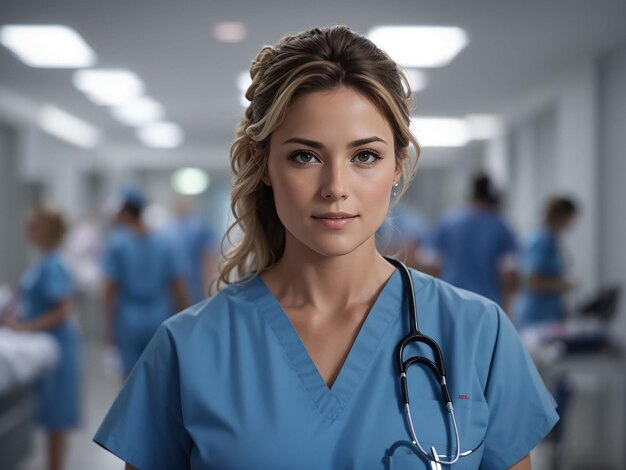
(394, 192)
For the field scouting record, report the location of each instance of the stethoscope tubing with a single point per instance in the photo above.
(437, 367)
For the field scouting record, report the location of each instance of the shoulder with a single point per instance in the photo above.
(501, 223)
(453, 216)
(455, 308)
(232, 307)
(161, 238)
(117, 237)
(539, 239)
(53, 264)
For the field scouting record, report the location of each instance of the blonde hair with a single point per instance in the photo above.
(314, 60)
(50, 224)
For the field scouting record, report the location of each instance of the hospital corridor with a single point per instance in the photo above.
(312, 235)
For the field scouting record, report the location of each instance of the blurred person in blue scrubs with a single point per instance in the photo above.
(195, 245)
(403, 234)
(293, 363)
(143, 279)
(545, 281)
(46, 294)
(475, 249)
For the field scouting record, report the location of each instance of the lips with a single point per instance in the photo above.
(334, 215)
(334, 220)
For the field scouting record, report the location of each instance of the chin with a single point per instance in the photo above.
(333, 248)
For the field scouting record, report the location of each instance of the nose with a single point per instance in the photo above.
(334, 182)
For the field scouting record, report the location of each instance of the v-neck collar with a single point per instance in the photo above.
(331, 402)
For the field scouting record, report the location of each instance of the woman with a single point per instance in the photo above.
(541, 301)
(292, 366)
(46, 293)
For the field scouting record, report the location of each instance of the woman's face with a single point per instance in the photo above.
(332, 166)
(32, 231)
(563, 222)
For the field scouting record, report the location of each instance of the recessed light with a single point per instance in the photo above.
(160, 135)
(420, 46)
(66, 127)
(190, 181)
(484, 126)
(109, 87)
(417, 79)
(440, 132)
(230, 31)
(139, 112)
(52, 46)
(243, 83)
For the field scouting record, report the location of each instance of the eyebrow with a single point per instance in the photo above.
(319, 145)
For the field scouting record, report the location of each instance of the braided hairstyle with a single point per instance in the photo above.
(314, 60)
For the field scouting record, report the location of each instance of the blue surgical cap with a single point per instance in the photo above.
(133, 196)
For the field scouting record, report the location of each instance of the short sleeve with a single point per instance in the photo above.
(55, 282)
(521, 410)
(508, 257)
(509, 243)
(144, 426)
(111, 261)
(537, 256)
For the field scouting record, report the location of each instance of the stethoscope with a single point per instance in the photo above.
(437, 367)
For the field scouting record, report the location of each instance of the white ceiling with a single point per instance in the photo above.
(513, 44)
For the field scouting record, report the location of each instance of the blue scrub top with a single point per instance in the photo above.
(472, 243)
(192, 238)
(542, 255)
(43, 286)
(143, 268)
(228, 384)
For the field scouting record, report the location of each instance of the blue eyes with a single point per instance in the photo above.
(304, 157)
(367, 154)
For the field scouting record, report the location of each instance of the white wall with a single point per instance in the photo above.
(532, 155)
(15, 197)
(612, 171)
(552, 143)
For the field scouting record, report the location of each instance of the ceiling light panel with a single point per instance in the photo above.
(232, 32)
(51, 46)
(440, 132)
(190, 181)
(243, 83)
(160, 135)
(417, 79)
(109, 87)
(139, 112)
(484, 126)
(420, 46)
(66, 127)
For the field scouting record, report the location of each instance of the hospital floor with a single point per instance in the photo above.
(99, 390)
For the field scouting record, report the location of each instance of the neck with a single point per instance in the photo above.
(481, 205)
(137, 226)
(304, 278)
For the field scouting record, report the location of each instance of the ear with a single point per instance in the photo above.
(266, 178)
(404, 153)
